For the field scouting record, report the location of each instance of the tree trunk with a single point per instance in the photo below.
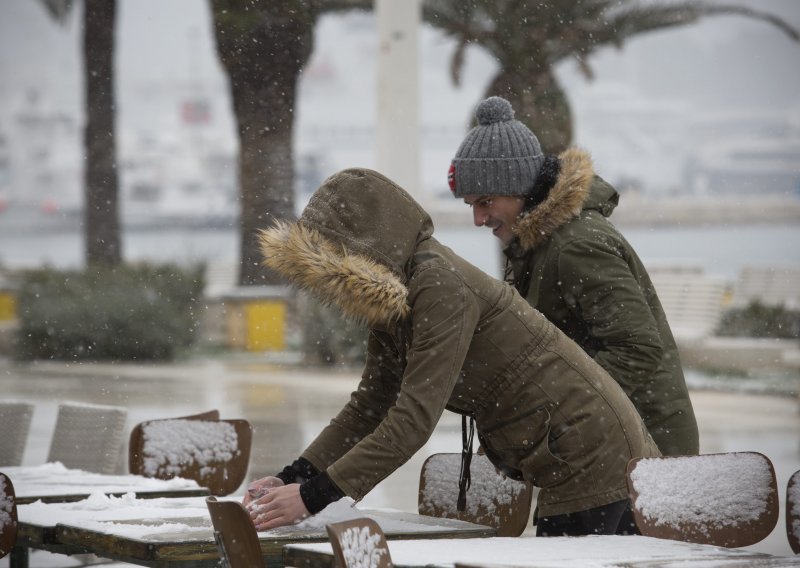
(264, 51)
(101, 213)
(539, 102)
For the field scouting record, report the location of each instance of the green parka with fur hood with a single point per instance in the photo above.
(444, 335)
(572, 265)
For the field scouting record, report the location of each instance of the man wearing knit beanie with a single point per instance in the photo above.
(566, 258)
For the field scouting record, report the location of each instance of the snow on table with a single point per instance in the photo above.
(547, 552)
(177, 518)
(53, 479)
(99, 509)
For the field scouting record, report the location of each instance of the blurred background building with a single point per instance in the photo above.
(707, 110)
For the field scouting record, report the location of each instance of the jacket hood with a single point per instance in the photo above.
(568, 196)
(352, 245)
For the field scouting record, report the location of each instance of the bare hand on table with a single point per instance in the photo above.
(281, 505)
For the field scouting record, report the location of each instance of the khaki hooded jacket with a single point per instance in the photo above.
(444, 335)
(572, 265)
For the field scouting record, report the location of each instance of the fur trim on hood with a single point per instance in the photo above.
(362, 288)
(563, 203)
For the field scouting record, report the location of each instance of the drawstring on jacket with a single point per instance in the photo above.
(465, 478)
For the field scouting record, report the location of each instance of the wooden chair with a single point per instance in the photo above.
(793, 511)
(8, 515)
(492, 499)
(728, 499)
(213, 452)
(359, 542)
(235, 534)
(15, 423)
(89, 437)
(135, 440)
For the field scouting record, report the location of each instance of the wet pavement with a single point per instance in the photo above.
(288, 405)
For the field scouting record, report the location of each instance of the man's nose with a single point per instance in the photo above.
(478, 217)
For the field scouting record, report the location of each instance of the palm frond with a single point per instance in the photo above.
(637, 19)
(59, 10)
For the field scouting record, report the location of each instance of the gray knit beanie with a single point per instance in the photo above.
(500, 156)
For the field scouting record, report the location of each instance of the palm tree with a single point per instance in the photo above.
(264, 45)
(101, 211)
(528, 39)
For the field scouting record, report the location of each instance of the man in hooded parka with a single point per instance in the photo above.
(444, 335)
(567, 259)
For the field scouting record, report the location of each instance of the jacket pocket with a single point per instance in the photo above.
(522, 443)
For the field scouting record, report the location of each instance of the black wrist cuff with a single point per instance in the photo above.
(300, 471)
(319, 492)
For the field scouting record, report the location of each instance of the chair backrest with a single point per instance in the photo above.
(8, 515)
(793, 511)
(136, 441)
(359, 543)
(728, 499)
(15, 422)
(492, 499)
(215, 453)
(235, 534)
(88, 437)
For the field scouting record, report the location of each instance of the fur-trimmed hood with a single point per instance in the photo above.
(568, 196)
(352, 245)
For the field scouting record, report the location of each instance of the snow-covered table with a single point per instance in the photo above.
(174, 532)
(552, 552)
(54, 483)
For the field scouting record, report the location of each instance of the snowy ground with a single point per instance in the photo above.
(288, 407)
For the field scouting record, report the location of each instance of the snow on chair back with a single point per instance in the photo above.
(728, 499)
(88, 437)
(793, 512)
(235, 534)
(15, 422)
(8, 516)
(359, 543)
(492, 499)
(136, 441)
(215, 453)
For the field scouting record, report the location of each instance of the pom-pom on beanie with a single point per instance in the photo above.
(500, 156)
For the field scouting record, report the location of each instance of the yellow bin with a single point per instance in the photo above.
(266, 321)
(8, 306)
(256, 318)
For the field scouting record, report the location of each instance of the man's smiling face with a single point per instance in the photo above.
(498, 212)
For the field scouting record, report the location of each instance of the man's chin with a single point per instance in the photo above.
(499, 234)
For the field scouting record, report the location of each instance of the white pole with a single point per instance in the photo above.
(398, 92)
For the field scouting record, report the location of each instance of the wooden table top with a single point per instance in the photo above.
(181, 540)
